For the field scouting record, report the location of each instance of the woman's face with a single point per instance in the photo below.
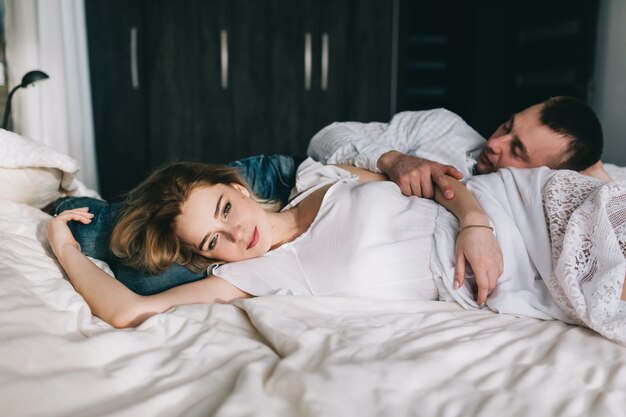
(222, 222)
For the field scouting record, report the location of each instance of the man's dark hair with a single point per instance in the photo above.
(573, 118)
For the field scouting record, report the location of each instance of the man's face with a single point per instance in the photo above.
(523, 142)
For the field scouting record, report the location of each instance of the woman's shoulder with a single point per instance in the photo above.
(313, 175)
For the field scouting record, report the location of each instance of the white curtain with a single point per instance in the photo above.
(51, 36)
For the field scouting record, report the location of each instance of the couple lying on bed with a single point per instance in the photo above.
(351, 232)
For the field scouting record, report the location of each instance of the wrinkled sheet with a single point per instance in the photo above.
(284, 355)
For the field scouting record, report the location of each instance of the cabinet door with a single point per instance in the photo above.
(268, 72)
(115, 38)
(291, 63)
(554, 49)
(190, 104)
(355, 49)
(298, 66)
(196, 113)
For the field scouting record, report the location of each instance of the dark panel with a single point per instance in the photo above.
(267, 65)
(438, 47)
(493, 60)
(119, 109)
(555, 49)
(291, 104)
(190, 114)
(359, 80)
(485, 59)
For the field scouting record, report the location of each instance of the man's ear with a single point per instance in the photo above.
(243, 190)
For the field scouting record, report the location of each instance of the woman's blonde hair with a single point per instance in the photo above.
(145, 237)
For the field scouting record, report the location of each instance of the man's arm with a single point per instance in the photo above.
(352, 143)
(418, 176)
(409, 150)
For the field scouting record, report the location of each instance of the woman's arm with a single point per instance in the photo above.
(476, 242)
(111, 300)
(363, 174)
(476, 245)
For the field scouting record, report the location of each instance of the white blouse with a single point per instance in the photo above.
(367, 240)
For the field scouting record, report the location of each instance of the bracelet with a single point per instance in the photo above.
(474, 225)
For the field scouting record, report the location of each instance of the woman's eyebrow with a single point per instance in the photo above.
(217, 206)
(215, 214)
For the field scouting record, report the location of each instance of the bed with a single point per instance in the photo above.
(281, 355)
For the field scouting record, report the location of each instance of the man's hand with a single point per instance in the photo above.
(479, 247)
(415, 176)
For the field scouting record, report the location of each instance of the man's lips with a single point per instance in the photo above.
(254, 240)
(484, 160)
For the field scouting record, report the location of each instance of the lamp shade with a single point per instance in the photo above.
(32, 77)
(29, 78)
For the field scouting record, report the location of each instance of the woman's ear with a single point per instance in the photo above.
(243, 190)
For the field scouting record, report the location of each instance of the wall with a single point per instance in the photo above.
(4, 88)
(609, 94)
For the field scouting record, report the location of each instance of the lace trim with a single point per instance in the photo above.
(586, 218)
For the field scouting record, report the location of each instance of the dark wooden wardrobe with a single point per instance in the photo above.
(217, 80)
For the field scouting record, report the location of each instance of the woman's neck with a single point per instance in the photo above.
(285, 227)
(288, 225)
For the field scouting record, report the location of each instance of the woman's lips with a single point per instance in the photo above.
(254, 240)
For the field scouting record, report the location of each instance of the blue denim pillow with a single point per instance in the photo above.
(94, 241)
(270, 177)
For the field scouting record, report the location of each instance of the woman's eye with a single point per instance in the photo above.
(213, 242)
(227, 208)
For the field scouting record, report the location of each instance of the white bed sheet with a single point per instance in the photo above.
(284, 355)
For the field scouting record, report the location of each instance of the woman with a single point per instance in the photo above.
(379, 243)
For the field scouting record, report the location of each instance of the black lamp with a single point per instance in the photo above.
(31, 77)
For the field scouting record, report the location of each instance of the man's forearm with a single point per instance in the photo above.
(352, 143)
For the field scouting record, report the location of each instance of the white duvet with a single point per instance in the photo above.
(284, 355)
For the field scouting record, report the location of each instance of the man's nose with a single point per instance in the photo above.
(495, 144)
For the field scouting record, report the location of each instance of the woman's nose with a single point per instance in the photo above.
(235, 232)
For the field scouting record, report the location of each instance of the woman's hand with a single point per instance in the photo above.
(59, 234)
(479, 247)
(476, 243)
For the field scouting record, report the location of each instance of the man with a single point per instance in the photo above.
(417, 149)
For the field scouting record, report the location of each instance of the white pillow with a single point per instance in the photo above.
(36, 187)
(32, 173)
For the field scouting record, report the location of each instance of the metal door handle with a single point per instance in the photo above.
(308, 61)
(224, 58)
(134, 66)
(325, 62)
